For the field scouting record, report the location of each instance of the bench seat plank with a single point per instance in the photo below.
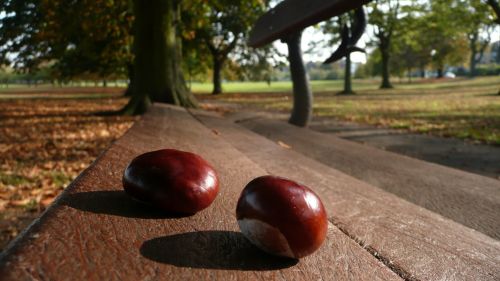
(466, 198)
(93, 231)
(416, 243)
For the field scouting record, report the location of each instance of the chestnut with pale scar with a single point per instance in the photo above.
(282, 217)
(172, 180)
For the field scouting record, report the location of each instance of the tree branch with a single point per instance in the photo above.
(496, 8)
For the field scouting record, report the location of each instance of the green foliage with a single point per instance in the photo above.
(319, 71)
(372, 67)
(488, 69)
(215, 30)
(434, 34)
(20, 34)
(79, 38)
(408, 52)
(88, 37)
(495, 6)
(478, 23)
(384, 19)
(344, 29)
(444, 35)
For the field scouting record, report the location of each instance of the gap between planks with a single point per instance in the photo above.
(331, 221)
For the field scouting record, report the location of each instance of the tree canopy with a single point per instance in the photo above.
(94, 40)
(79, 37)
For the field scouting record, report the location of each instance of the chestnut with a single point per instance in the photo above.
(282, 217)
(172, 180)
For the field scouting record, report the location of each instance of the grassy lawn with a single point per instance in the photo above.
(462, 108)
(280, 86)
(336, 85)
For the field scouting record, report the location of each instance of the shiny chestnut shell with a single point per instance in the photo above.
(172, 180)
(282, 217)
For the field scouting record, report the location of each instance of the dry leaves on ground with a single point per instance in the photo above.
(44, 145)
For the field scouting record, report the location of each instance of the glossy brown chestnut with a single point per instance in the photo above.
(282, 217)
(172, 180)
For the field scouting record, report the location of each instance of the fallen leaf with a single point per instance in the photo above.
(3, 205)
(4, 147)
(47, 201)
(284, 145)
(20, 203)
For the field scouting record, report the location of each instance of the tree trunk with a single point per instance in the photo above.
(347, 76)
(384, 51)
(157, 66)
(440, 72)
(190, 80)
(473, 53)
(130, 86)
(472, 69)
(218, 63)
(302, 95)
(497, 59)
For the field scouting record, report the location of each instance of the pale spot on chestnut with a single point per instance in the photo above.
(172, 180)
(266, 237)
(282, 217)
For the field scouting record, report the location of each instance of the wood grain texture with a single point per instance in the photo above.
(416, 243)
(95, 232)
(466, 198)
(294, 15)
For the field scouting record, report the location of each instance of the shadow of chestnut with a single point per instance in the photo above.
(212, 250)
(117, 203)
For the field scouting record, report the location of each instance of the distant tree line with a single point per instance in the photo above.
(103, 40)
(100, 39)
(412, 38)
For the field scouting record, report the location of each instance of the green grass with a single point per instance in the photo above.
(279, 86)
(13, 179)
(60, 178)
(461, 108)
(336, 85)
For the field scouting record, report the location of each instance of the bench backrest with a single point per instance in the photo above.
(294, 15)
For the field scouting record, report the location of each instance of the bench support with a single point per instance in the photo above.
(302, 95)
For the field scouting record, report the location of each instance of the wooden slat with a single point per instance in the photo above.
(294, 15)
(467, 198)
(416, 243)
(95, 232)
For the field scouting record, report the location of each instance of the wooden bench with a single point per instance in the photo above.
(286, 21)
(93, 231)
(469, 199)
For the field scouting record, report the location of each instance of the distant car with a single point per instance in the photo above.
(450, 75)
